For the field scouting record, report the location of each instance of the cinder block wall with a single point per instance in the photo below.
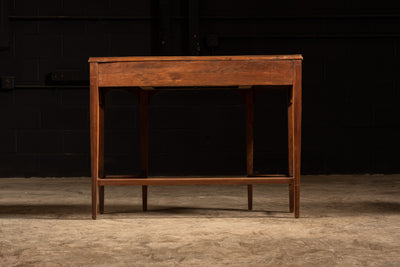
(351, 86)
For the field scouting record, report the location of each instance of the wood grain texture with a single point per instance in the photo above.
(195, 73)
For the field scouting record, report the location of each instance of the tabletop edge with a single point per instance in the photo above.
(195, 58)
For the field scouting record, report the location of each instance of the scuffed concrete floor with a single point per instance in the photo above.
(345, 221)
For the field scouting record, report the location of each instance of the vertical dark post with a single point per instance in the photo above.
(4, 38)
(250, 142)
(94, 133)
(155, 47)
(144, 140)
(193, 28)
(162, 9)
(101, 147)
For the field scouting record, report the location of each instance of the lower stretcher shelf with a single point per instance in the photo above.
(223, 180)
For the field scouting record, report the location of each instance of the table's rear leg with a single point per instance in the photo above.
(101, 147)
(290, 147)
(250, 196)
(250, 142)
(94, 133)
(144, 140)
(291, 197)
(144, 197)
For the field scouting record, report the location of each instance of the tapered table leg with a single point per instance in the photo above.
(290, 146)
(250, 196)
(297, 135)
(94, 134)
(144, 197)
(144, 140)
(249, 97)
(101, 147)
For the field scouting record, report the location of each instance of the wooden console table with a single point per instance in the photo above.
(146, 75)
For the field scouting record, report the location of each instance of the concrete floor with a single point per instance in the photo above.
(345, 221)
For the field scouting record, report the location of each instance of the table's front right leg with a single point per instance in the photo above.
(94, 134)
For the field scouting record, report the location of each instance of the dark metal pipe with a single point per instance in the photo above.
(316, 17)
(313, 36)
(51, 87)
(84, 18)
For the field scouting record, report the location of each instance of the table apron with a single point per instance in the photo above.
(195, 73)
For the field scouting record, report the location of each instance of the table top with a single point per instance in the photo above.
(194, 71)
(195, 58)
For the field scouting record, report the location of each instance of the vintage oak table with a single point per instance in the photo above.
(145, 76)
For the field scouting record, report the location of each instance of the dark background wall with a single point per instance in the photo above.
(351, 85)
